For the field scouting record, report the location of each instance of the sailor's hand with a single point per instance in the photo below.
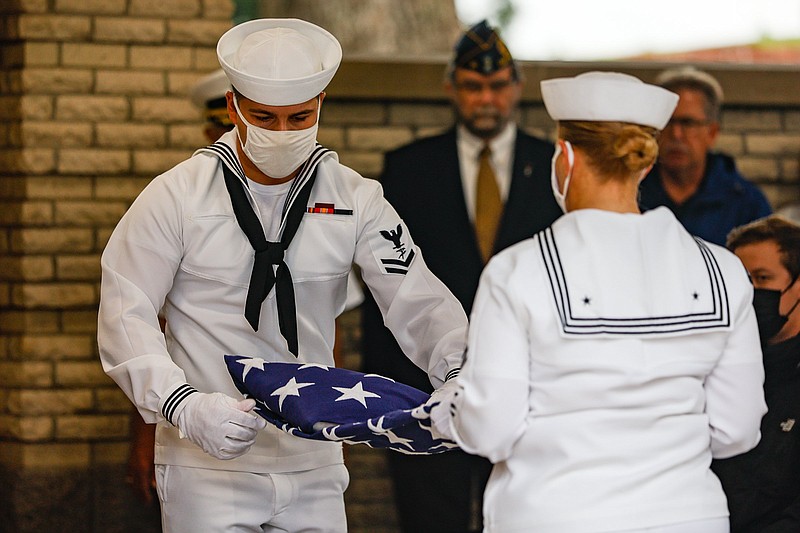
(222, 426)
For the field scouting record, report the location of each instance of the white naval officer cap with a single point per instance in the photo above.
(279, 62)
(608, 97)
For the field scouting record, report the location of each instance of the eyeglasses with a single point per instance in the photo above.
(475, 87)
(686, 123)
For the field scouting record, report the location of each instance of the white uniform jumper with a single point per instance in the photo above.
(610, 358)
(179, 246)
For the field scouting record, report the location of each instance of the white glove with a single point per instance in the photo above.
(441, 405)
(223, 427)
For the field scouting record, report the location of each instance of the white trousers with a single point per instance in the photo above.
(218, 501)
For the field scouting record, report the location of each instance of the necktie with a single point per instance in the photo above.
(268, 255)
(488, 205)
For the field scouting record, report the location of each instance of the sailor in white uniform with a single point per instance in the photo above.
(613, 355)
(247, 246)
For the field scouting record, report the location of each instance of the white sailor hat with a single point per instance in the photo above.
(608, 97)
(279, 61)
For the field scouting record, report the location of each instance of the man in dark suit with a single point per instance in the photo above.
(466, 194)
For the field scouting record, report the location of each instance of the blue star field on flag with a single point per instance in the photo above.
(326, 403)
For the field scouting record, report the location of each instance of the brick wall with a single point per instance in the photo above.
(92, 106)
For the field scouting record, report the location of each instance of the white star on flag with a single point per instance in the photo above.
(252, 362)
(356, 392)
(292, 388)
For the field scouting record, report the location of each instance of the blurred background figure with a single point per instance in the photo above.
(465, 194)
(702, 187)
(762, 485)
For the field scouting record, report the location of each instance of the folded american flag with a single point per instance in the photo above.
(319, 402)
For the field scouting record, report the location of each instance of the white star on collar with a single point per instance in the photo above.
(356, 392)
(292, 388)
(251, 362)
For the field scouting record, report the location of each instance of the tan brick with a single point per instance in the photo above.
(338, 114)
(53, 295)
(772, 144)
(45, 456)
(89, 427)
(205, 58)
(332, 138)
(93, 55)
(166, 109)
(54, 27)
(159, 8)
(26, 268)
(28, 160)
(129, 30)
(222, 9)
(26, 374)
(83, 373)
(132, 83)
(91, 7)
(131, 135)
(29, 322)
(5, 301)
(51, 240)
(187, 136)
(34, 107)
(27, 429)
(377, 138)
(161, 57)
(56, 81)
(40, 54)
(45, 402)
(56, 134)
(758, 168)
(205, 32)
(121, 188)
(181, 83)
(368, 164)
(60, 187)
(26, 213)
(750, 121)
(102, 238)
(155, 162)
(28, 6)
(88, 213)
(54, 347)
(111, 453)
(420, 115)
(112, 400)
(80, 322)
(93, 161)
(100, 108)
(731, 143)
(78, 267)
(790, 169)
(792, 120)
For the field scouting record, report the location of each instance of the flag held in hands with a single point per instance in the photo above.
(320, 402)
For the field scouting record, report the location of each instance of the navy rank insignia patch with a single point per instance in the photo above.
(403, 257)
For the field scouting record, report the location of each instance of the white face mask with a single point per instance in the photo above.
(277, 153)
(561, 197)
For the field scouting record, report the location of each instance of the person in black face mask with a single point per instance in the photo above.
(763, 485)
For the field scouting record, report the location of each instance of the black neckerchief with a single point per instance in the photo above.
(269, 254)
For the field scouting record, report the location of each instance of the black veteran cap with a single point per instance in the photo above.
(481, 49)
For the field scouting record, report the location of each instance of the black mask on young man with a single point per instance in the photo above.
(766, 303)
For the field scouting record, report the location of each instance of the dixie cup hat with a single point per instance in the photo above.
(608, 97)
(279, 62)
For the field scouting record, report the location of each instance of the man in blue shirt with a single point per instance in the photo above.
(702, 187)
